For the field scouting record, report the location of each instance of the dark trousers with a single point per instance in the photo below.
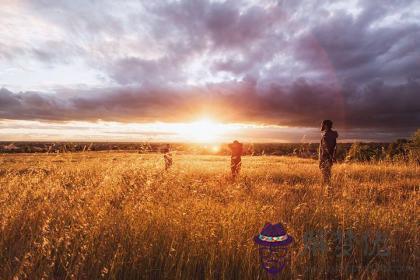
(325, 165)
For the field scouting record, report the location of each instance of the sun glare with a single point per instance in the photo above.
(203, 130)
(215, 148)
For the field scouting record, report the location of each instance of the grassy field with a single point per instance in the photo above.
(120, 216)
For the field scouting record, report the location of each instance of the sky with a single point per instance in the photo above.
(203, 70)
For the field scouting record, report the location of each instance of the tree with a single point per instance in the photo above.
(398, 150)
(360, 152)
(414, 147)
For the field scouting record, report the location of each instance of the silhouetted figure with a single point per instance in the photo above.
(167, 156)
(235, 162)
(327, 150)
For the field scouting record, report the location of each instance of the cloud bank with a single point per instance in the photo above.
(276, 62)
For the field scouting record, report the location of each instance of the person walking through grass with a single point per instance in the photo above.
(236, 153)
(167, 156)
(327, 149)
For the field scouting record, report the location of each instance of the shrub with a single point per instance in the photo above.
(362, 152)
(414, 147)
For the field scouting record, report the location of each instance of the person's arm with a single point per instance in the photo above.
(320, 148)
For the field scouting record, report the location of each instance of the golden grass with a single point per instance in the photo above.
(120, 216)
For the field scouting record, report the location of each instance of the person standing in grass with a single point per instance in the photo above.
(236, 153)
(327, 150)
(167, 156)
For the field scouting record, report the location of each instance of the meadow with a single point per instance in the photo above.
(117, 215)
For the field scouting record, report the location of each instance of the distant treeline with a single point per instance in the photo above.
(400, 150)
(303, 150)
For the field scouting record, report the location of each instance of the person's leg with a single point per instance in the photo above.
(234, 166)
(321, 169)
(325, 168)
(168, 161)
(327, 175)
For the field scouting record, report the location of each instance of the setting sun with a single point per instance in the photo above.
(215, 148)
(203, 130)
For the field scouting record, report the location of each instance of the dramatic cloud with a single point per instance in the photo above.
(275, 62)
(301, 104)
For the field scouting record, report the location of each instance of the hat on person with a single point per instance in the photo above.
(273, 235)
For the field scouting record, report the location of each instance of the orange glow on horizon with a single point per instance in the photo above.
(203, 130)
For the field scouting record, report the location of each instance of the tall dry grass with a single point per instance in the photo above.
(120, 216)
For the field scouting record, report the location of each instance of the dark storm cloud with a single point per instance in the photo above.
(360, 53)
(289, 63)
(302, 104)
